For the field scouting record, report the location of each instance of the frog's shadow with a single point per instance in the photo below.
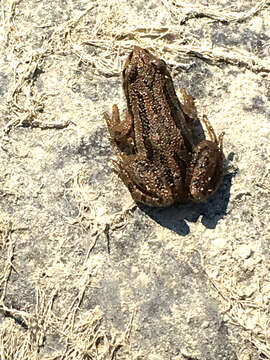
(176, 217)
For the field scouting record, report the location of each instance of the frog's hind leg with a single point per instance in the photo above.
(139, 193)
(205, 172)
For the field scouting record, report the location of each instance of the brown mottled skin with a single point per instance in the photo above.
(157, 159)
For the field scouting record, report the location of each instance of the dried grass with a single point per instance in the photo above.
(83, 337)
(82, 333)
(7, 253)
(245, 303)
(93, 216)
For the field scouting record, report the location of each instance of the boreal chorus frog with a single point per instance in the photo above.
(157, 158)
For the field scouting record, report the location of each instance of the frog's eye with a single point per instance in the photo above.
(130, 73)
(160, 65)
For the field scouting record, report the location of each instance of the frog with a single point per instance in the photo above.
(157, 156)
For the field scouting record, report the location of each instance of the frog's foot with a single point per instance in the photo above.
(212, 133)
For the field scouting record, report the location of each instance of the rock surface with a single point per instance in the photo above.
(86, 273)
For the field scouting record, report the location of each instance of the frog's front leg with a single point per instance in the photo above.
(205, 172)
(120, 131)
(188, 106)
(189, 112)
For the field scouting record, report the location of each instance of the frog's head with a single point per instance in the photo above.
(141, 64)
